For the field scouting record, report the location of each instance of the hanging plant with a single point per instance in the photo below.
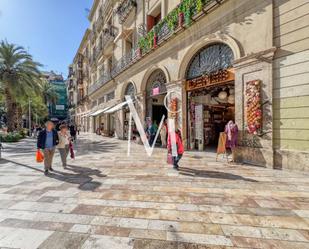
(199, 5)
(172, 19)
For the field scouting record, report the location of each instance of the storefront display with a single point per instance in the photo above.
(253, 106)
(208, 115)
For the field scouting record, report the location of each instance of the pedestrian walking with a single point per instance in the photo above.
(179, 145)
(73, 132)
(64, 143)
(47, 141)
(163, 134)
(150, 131)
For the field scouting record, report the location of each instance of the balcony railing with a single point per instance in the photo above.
(124, 9)
(125, 61)
(106, 6)
(99, 24)
(106, 77)
(109, 34)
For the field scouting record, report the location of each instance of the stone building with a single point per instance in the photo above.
(242, 60)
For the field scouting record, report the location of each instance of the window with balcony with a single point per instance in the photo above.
(124, 9)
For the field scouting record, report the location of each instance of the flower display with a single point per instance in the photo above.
(253, 106)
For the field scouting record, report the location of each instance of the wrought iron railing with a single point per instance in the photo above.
(105, 77)
(125, 61)
(109, 35)
(124, 9)
(99, 24)
(106, 5)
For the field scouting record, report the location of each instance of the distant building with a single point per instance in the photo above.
(58, 110)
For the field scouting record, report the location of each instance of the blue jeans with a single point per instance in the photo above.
(176, 160)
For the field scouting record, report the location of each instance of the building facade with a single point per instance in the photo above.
(59, 109)
(215, 60)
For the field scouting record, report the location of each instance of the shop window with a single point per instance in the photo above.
(210, 60)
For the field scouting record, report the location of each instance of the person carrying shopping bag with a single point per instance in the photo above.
(47, 141)
(64, 144)
(179, 145)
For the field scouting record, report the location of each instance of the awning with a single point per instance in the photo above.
(96, 113)
(117, 107)
(100, 111)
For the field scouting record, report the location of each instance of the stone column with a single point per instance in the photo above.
(255, 149)
(177, 87)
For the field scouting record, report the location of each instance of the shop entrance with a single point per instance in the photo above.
(156, 92)
(210, 110)
(157, 112)
(210, 96)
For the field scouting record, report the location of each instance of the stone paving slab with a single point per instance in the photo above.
(108, 200)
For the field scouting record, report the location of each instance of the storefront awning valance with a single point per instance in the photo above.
(117, 107)
(96, 113)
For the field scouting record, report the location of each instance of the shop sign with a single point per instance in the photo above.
(155, 91)
(210, 80)
(199, 122)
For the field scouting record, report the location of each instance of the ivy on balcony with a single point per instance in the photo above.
(181, 16)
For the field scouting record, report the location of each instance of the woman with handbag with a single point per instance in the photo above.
(64, 142)
(179, 145)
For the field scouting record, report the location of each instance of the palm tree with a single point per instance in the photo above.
(50, 95)
(19, 76)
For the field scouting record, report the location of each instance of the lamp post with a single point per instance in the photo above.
(30, 118)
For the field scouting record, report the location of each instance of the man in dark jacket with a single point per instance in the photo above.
(47, 141)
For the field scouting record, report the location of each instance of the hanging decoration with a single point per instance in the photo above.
(253, 106)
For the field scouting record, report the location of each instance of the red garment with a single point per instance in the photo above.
(180, 148)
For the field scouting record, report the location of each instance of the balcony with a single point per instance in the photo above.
(125, 61)
(107, 5)
(106, 77)
(109, 34)
(99, 23)
(124, 9)
(93, 36)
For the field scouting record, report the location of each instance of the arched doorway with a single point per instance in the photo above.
(129, 91)
(155, 94)
(210, 95)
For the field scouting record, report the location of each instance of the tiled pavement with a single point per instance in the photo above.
(108, 200)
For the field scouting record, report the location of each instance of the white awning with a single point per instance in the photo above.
(100, 111)
(116, 107)
(96, 113)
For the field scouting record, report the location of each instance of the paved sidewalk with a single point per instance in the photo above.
(108, 200)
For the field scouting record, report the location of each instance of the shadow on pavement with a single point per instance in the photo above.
(86, 147)
(212, 174)
(81, 176)
(4, 161)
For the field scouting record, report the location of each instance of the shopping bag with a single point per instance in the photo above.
(72, 155)
(39, 156)
(169, 158)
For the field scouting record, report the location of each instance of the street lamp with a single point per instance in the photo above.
(30, 118)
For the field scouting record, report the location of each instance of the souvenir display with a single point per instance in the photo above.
(253, 106)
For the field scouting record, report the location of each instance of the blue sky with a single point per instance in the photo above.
(51, 30)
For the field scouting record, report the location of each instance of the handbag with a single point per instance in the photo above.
(72, 155)
(39, 156)
(169, 158)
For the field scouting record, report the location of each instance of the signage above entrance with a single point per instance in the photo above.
(217, 78)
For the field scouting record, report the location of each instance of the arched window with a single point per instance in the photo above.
(156, 83)
(210, 59)
(130, 90)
